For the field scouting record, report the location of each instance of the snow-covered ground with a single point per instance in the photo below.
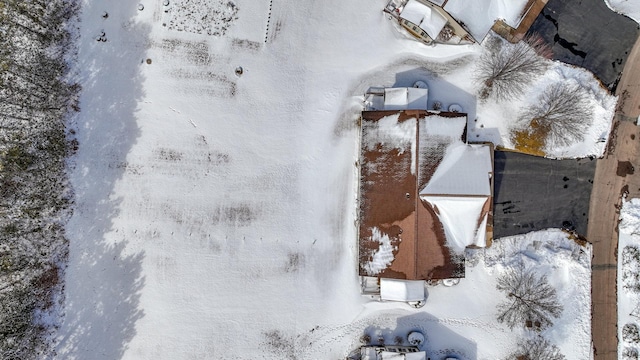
(214, 213)
(451, 81)
(631, 8)
(461, 320)
(498, 117)
(629, 278)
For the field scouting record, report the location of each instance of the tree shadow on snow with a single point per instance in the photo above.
(440, 341)
(103, 279)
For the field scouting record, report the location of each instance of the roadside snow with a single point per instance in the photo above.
(630, 217)
(631, 8)
(629, 277)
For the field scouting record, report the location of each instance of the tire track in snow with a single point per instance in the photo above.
(347, 336)
(266, 35)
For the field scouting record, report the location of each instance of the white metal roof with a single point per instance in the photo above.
(401, 290)
(420, 355)
(405, 98)
(388, 355)
(414, 12)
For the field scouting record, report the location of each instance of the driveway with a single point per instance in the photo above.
(534, 193)
(588, 34)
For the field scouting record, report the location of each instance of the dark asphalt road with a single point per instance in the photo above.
(534, 193)
(588, 34)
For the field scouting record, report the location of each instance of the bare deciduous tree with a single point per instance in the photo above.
(505, 69)
(531, 300)
(538, 348)
(560, 115)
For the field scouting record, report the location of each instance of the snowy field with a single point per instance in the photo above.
(215, 212)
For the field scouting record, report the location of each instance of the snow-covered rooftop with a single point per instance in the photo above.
(424, 16)
(385, 353)
(401, 290)
(408, 98)
(460, 217)
(388, 355)
(448, 127)
(464, 170)
(459, 191)
(480, 15)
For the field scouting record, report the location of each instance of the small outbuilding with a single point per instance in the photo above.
(391, 353)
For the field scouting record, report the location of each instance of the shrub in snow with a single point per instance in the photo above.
(629, 353)
(630, 217)
(538, 348)
(280, 344)
(211, 17)
(531, 300)
(365, 339)
(631, 268)
(559, 117)
(505, 69)
(398, 340)
(630, 333)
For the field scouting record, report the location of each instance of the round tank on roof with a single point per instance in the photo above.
(415, 338)
(455, 108)
(420, 84)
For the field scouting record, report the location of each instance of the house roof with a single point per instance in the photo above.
(424, 16)
(384, 353)
(405, 98)
(401, 290)
(388, 355)
(460, 216)
(401, 235)
(480, 15)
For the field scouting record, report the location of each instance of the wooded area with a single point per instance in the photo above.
(36, 99)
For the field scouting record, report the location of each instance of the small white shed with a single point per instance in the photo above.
(401, 290)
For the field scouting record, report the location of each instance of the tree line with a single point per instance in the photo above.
(36, 100)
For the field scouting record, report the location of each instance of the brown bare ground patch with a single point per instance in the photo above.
(529, 141)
